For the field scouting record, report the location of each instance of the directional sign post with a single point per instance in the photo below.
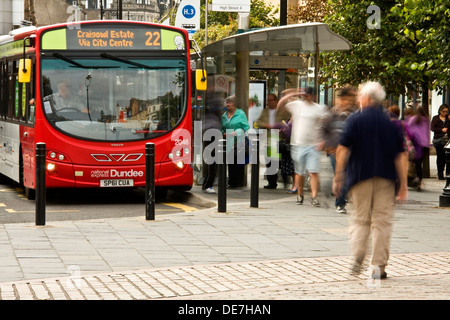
(240, 6)
(231, 5)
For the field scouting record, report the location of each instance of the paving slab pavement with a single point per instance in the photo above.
(276, 251)
(414, 276)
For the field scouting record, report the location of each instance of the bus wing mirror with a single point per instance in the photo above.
(200, 79)
(24, 70)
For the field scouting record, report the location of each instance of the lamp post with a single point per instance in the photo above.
(283, 12)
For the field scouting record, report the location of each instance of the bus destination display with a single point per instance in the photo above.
(112, 38)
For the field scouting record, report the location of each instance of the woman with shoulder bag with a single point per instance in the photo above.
(439, 126)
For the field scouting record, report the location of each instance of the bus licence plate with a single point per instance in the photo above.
(117, 183)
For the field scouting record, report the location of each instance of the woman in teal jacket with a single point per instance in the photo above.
(234, 128)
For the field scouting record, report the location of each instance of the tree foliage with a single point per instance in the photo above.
(375, 52)
(309, 11)
(409, 48)
(425, 24)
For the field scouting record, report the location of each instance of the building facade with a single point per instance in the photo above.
(46, 12)
(11, 15)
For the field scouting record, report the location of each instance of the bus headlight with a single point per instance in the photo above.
(179, 164)
(51, 167)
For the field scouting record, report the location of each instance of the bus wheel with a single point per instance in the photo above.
(30, 193)
(4, 179)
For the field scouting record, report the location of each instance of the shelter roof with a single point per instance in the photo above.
(282, 40)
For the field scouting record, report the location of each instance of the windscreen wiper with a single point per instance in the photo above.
(136, 64)
(66, 59)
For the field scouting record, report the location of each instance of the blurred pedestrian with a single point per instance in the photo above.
(234, 128)
(439, 126)
(409, 111)
(212, 121)
(306, 137)
(287, 165)
(369, 148)
(394, 116)
(419, 128)
(394, 112)
(333, 126)
(271, 119)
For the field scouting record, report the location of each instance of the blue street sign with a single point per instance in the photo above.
(188, 11)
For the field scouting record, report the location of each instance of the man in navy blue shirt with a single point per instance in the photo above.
(370, 148)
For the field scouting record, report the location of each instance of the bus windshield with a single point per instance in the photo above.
(113, 98)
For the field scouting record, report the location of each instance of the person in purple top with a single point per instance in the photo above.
(419, 128)
(369, 149)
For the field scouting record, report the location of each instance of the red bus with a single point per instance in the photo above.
(96, 92)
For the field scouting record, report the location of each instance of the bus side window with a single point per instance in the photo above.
(11, 90)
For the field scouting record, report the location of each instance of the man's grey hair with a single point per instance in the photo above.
(373, 90)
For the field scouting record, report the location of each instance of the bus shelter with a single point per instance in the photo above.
(252, 64)
(292, 48)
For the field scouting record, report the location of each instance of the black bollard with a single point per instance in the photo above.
(222, 176)
(444, 199)
(254, 188)
(149, 181)
(40, 183)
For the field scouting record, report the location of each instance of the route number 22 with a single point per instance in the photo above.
(153, 39)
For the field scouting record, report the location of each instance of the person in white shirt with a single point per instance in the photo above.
(306, 138)
(271, 119)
